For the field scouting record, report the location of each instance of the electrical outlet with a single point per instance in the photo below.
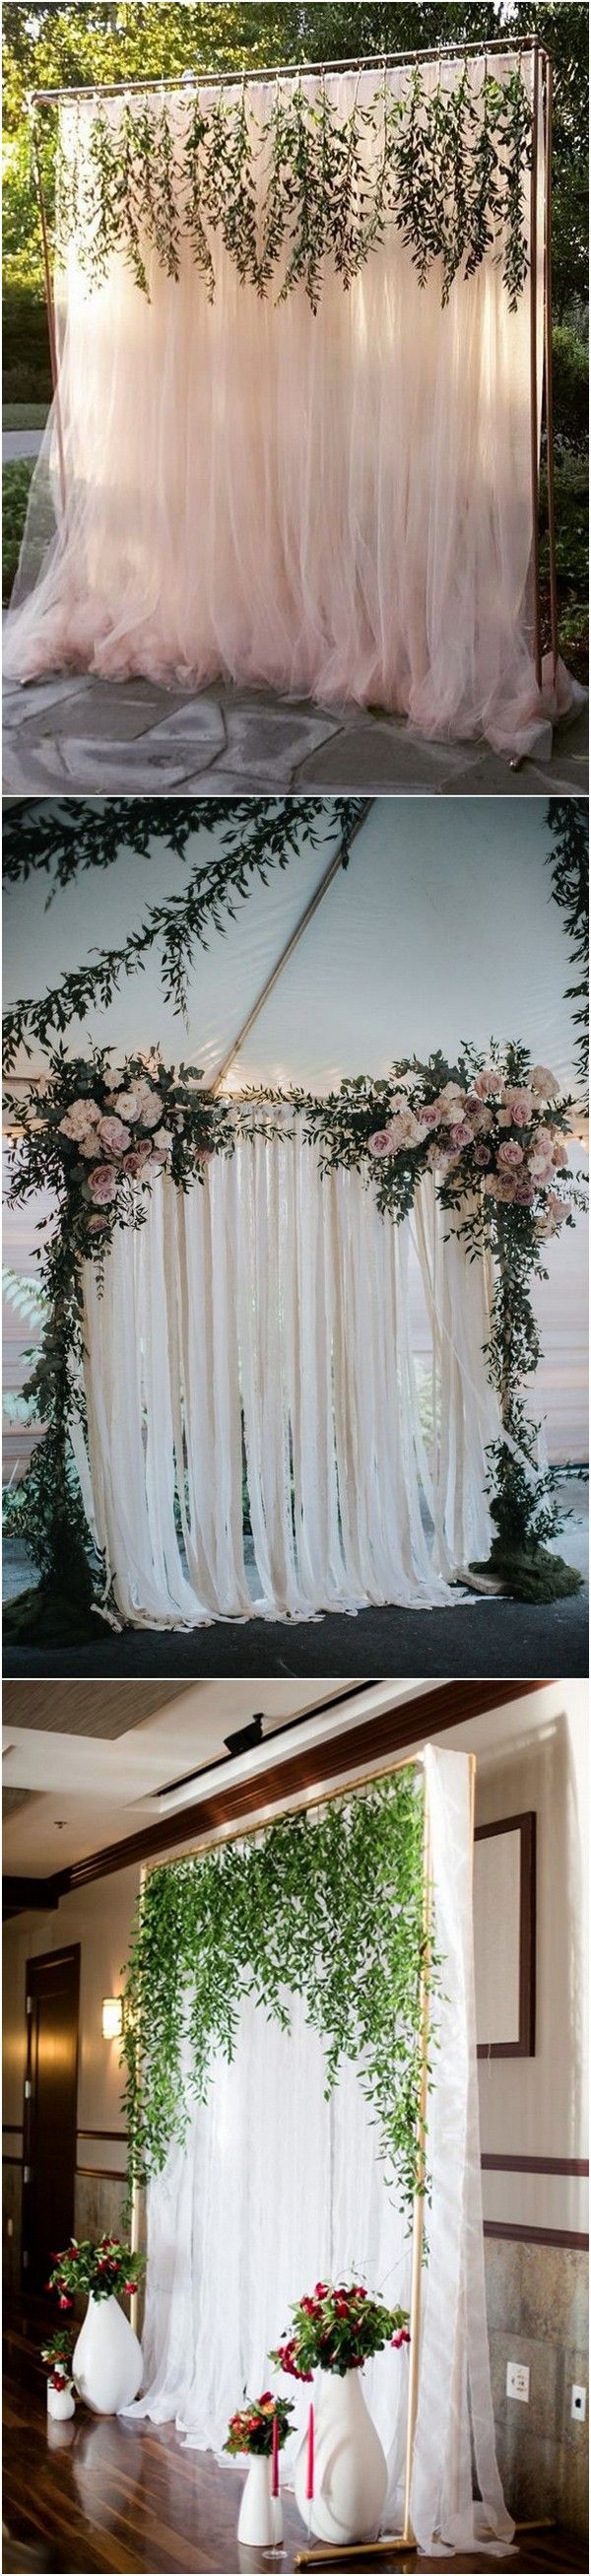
(578, 2403)
(518, 2380)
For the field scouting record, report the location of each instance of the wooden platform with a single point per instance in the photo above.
(99, 2494)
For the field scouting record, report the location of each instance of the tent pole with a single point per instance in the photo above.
(533, 312)
(292, 943)
(50, 303)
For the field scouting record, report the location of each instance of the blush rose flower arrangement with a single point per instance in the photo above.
(337, 2327)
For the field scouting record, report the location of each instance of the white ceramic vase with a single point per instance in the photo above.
(107, 2359)
(260, 2524)
(350, 2469)
(60, 2402)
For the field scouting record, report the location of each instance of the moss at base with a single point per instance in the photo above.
(49, 1618)
(534, 1574)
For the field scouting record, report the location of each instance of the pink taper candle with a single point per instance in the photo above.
(275, 2459)
(310, 2476)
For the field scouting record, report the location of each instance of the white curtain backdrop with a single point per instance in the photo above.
(274, 1299)
(275, 2187)
(335, 503)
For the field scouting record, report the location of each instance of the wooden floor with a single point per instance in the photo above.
(96, 2493)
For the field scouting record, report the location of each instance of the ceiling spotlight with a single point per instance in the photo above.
(246, 1736)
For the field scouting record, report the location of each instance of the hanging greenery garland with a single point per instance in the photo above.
(495, 1132)
(308, 186)
(568, 819)
(328, 1907)
(59, 840)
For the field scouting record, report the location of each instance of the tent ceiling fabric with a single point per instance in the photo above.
(386, 968)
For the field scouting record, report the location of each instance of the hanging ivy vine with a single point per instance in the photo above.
(495, 1131)
(310, 186)
(59, 840)
(328, 1907)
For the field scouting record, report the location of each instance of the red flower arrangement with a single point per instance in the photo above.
(251, 2429)
(337, 2327)
(57, 2356)
(102, 2270)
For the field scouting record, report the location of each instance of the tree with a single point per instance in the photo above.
(568, 820)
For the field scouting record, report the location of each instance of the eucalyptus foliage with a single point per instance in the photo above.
(326, 1906)
(568, 819)
(252, 838)
(447, 167)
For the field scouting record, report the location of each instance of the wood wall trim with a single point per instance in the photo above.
(386, 1733)
(518, 2235)
(536, 2164)
(99, 2173)
(525, 1826)
(115, 2137)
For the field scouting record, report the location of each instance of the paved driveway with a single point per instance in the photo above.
(86, 736)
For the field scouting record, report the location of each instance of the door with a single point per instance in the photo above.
(51, 2110)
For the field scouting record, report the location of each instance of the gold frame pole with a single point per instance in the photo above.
(51, 327)
(533, 313)
(135, 2188)
(548, 363)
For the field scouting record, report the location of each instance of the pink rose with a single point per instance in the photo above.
(461, 1135)
(510, 1155)
(89, 1146)
(114, 1135)
(482, 1154)
(380, 1143)
(428, 1114)
(487, 1082)
(102, 1183)
(525, 1193)
(558, 1208)
(544, 1082)
(505, 1186)
(521, 1103)
(559, 1155)
(150, 1109)
(136, 1162)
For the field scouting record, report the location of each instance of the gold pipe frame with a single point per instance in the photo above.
(403, 2540)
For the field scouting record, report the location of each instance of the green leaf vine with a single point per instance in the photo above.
(252, 838)
(326, 1906)
(308, 187)
(568, 821)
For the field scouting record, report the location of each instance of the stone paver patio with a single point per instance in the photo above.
(85, 736)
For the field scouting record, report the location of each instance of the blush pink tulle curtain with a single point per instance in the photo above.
(334, 504)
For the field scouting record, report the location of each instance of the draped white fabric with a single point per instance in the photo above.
(337, 503)
(271, 1302)
(276, 2187)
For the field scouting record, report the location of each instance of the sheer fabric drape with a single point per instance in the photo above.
(270, 1306)
(276, 2187)
(336, 503)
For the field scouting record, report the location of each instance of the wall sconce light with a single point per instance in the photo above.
(112, 2016)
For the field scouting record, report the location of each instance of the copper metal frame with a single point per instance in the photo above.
(542, 113)
(403, 2540)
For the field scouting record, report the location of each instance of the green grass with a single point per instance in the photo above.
(16, 479)
(24, 415)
